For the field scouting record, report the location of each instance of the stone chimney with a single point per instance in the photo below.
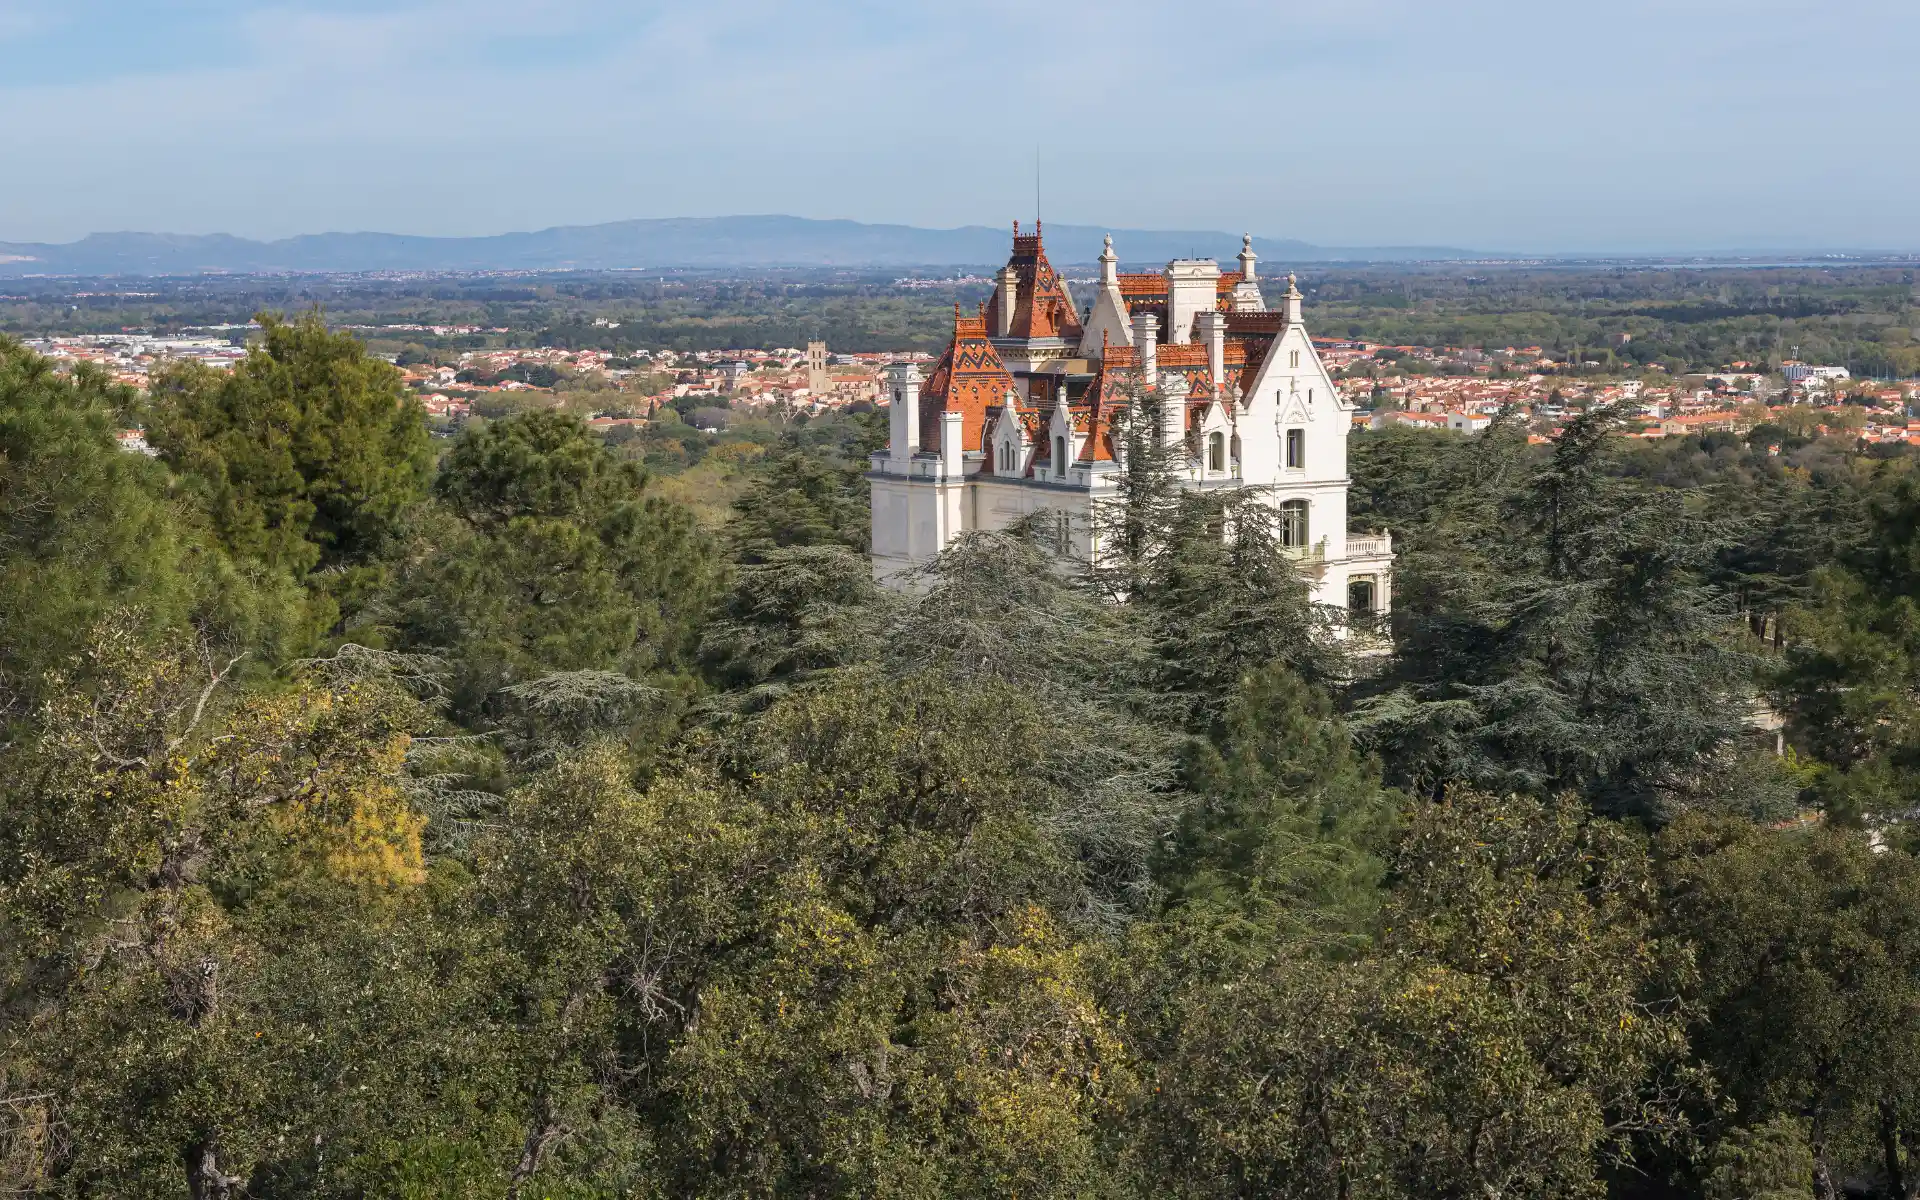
(1146, 340)
(952, 447)
(1009, 285)
(903, 386)
(1211, 328)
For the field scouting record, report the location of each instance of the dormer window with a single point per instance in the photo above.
(1009, 457)
(1217, 452)
(1059, 455)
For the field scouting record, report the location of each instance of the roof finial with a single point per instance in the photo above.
(1016, 229)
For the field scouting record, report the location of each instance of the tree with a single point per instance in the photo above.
(185, 881)
(308, 452)
(1768, 1162)
(1505, 1041)
(1290, 827)
(916, 1016)
(89, 531)
(999, 612)
(1224, 601)
(1400, 473)
(547, 555)
(1850, 680)
(1808, 945)
(799, 501)
(1557, 631)
(796, 613)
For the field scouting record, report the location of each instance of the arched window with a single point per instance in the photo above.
(1059, 455)
(1293, 523)
(1009, 458)
(1217, 452)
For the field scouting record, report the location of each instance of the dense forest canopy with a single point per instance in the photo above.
(383, 817)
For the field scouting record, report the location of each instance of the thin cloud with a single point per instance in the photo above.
(1490, 123)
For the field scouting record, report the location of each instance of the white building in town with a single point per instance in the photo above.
(1015, 418)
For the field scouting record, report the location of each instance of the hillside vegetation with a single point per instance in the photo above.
(382, 822)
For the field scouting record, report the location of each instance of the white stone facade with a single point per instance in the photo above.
(1016, 418)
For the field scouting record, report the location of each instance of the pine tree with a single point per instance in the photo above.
(545, 554)
(308, 452)
(90, 533)
(1557, 631)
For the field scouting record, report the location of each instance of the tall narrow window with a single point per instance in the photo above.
(1293, 358)
(1059, 456)
(1010, 460)
(1293, 523)
(1296, 448)
(1217, 452)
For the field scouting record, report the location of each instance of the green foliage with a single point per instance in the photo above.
(1024, 880)
(1290, 826)
(1554, 629)
(1225, 601)
(308, 451)
(547, 555)
(1768, 1162)
(88, 531)
(190, 894)
(1808, 944)
(801, 501)
(795, 613)
(1400, 472)
(1503, 1043)
(541, 464)
(1850, 681)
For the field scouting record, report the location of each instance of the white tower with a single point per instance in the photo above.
(903, 410)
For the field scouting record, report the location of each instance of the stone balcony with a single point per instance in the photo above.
(1372, 545)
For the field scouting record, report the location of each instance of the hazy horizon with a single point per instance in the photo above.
(1632, 128)
(1570, 252)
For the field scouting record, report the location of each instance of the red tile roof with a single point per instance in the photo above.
(968, 379)
(1040, 305)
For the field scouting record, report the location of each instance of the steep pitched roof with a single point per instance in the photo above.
(968, 379)
(1041, 307)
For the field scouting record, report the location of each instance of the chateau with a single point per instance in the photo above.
(1016, 417)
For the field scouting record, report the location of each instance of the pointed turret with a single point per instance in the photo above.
(1030, 299)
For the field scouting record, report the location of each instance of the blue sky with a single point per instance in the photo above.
(1494, 124)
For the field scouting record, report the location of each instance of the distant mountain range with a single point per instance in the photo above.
(697, 242)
